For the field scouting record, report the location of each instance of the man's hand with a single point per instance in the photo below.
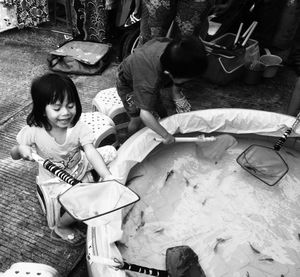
(168, 139)
(151, 122)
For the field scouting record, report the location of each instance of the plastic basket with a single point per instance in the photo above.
(221, 68)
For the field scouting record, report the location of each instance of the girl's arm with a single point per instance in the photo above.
(96, 160)
(21, 152)
(151, 122)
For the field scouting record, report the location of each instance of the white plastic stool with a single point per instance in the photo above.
(103, 128)
(108, 102)
(30, 270)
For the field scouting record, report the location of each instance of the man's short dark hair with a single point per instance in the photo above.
(185, 57)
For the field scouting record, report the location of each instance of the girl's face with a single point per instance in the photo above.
(60, 115)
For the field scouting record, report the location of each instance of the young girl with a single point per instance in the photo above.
(54, 132)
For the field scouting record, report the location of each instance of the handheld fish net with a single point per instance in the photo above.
(265, 163)
(86, 201)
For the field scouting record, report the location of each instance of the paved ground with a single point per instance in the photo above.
(22, 57)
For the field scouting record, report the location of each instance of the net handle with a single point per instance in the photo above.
(54, 169)
(201, 138)
(144, 270)
(284, 137)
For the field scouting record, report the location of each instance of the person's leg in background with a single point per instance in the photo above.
(294, 105)
(145, 33)
(294, 58)
(192, 17)
(160, 16)
(267, 14)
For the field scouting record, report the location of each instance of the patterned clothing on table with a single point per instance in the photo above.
(190, 17)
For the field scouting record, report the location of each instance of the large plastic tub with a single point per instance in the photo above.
(257, 224)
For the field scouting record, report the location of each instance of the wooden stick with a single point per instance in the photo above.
(249, 34)
(238, 33)
(247, 31)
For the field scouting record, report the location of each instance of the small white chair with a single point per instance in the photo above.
(108, 102)
(103, 128)
(31, 269)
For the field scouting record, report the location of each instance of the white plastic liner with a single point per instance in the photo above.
(238, 121)
(136, 148)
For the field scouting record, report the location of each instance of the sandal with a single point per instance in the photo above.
(182, 105)
(131, 20)
(77, 238)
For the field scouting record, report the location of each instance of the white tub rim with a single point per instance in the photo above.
(221, 120)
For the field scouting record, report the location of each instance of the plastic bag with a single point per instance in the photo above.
(80, 57)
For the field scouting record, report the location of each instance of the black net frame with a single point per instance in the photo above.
(254, 170)
(243, 161)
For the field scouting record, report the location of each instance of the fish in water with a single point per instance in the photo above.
(142, 223)
(250, 168)
(169, 174)
(126, 217)
(187, 182)
(290, 153)
(267, 259)
(160, 230)
(219, 241)
(254, 249)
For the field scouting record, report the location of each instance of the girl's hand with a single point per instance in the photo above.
(25, 152)
(21, 152)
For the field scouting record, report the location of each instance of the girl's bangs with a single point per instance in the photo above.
(62, 92)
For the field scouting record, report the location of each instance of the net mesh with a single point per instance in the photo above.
(264, 163)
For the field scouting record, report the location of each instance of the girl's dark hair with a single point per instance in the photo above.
(185, 57)
(48, 89)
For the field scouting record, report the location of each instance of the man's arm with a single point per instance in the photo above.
(150, 121)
